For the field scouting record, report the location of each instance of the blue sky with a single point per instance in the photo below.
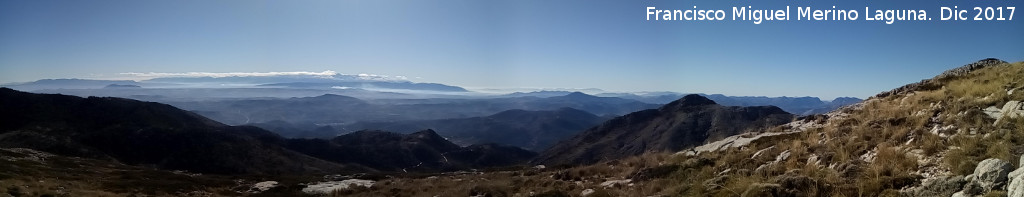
(503, 44)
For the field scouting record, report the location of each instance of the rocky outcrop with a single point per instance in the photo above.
(1016, 186)
(963, 70)
(991, 174)
(940, 186)
(937, 81)
(1012, 109)
(324, 188)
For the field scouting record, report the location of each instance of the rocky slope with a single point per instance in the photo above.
(690, 121)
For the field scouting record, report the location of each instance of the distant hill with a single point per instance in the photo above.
(341, 110)
(590, 103)
(301, 130)
(540, 94)
(420, 151)
(322, 83)
(327, 108)
(373, 85)
(69, 84)
(684, 123)
(532, 130)
(314, 82)
(832, 105)
(144, 133)
(121, 86)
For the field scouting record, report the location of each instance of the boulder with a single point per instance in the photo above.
(1019, 171)
(1012, 109)
(992, 173)
(1020, 162)
(959, 194)
(940, 186)
(587, 192)
(1016, 187)
(262, 186)
(613, 183)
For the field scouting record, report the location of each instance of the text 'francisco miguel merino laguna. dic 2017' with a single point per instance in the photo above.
(758, 16)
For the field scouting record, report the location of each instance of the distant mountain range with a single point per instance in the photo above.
(373, 85)
(178, 89)
(321, 107)
(420, 151)
(171, 88)
(532, 130)
(796, 105)
(43, 84)
(464, 121)
(337, 110)
(303, 82)
(690, 121)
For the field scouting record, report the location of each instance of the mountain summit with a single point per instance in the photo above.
(690, 100)
(684, 123)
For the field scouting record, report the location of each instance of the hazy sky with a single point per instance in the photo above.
(503, 44)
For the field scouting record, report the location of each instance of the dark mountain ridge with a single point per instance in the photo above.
(420, 151)
(532, 130)
(684, 123)
(144, 133)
